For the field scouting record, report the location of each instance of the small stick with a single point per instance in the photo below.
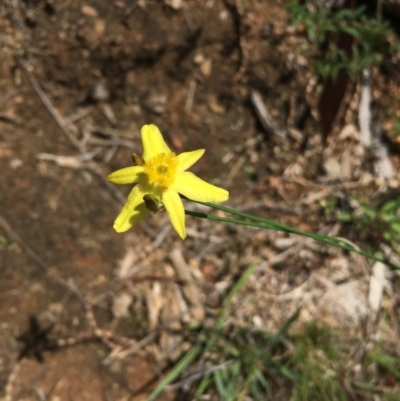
(70, 161)
(77, 116)
(234, 170)
(265, 118)
(161, 236)
(241, 147)
(55, 114)
(110, 154)
(134, 348)
(11, 381)
(364, 112)
(190, 96)
(93, 166)
(112, 142)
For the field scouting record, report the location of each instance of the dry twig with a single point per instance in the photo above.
(93, 166)
(241, 147)
(269, 125)
(190, 96)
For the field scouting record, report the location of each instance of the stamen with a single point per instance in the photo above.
(161, 169)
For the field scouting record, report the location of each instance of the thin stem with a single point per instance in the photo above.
(272, 225)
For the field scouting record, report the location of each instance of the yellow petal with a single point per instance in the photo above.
(187, 159)
(133, 211)
(127, 175)
(153, 142)
(196, 189)
(173, 204)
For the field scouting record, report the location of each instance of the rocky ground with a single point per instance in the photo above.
(89, 314)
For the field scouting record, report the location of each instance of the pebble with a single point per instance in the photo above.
(89, 11)
(175, 4)
(206, 67)
(99, 92)
(15, 163)
(199, 59)
(121, 305)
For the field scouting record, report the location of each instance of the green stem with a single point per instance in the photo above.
(260, 222)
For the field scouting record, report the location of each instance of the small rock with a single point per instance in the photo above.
(99, 28)
(157, 103)
(214, 300)
(349, 131)
(99, 92)
(89, 11)
(176, 142)
(333, 168)
(15, 163)
(198, 59)
(135, 109)
(205, 67)
(197, 314)
(224, 15)
(215, 106)
(343, 305)
(121, 305)
(175, 4)
(257, 321)
(295, 134)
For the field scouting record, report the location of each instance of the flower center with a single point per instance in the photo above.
(161, 169)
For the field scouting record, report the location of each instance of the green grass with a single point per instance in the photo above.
(372, 38)
(237, 362)
(375, 225)
(318, 363)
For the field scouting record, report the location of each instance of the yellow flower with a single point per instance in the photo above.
(160, 179)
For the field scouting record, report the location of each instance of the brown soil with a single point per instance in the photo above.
(107, 68)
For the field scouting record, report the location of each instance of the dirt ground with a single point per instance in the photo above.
(78, 78)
